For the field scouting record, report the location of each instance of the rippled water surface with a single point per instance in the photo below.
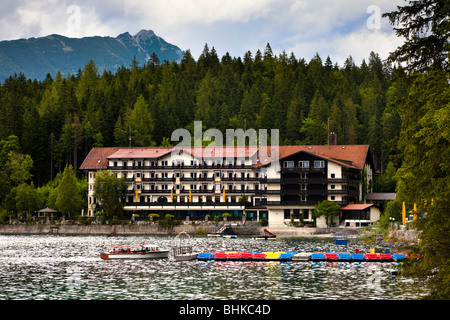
(69, 267)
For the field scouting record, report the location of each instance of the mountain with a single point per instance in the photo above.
(35, 57)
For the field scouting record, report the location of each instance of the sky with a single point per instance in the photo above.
(334, 28)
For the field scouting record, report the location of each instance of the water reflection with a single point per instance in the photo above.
(69, 267)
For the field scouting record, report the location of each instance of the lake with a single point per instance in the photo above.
(60, 267)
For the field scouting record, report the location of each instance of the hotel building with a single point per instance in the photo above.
(254, 182)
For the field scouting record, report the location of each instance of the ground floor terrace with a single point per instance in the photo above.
(198, 211)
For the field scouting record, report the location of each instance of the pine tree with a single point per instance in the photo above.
(68, 198)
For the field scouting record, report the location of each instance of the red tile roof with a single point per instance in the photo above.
(140, 153)
(97, 159)
(350, 156)
(357, 206)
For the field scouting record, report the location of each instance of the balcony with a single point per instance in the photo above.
(189, 204)
(300, 203)
(298, 169)
(183, 166)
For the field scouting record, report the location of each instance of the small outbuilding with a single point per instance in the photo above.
(359, 215)
(46, 211)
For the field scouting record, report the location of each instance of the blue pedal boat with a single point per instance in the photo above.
(344, 256)
(318, 257)
(205, 256)
(358, 257)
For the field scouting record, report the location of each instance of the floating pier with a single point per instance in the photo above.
(302, 256)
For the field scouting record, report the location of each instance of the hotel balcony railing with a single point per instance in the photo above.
(291, 180)
(298, 169)
(175, 204)
(300, 203)
(207, 191)
(175, 167)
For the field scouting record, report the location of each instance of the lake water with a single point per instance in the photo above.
(59, 267)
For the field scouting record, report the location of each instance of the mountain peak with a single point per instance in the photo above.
(144, 34)
(68, 55)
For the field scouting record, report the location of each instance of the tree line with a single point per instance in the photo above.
(58, 121)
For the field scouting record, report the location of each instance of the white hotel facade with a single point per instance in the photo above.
(198, 181)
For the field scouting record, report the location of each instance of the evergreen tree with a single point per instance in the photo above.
(141, 124)
(68, 200)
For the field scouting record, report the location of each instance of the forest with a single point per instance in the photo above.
(57, 121)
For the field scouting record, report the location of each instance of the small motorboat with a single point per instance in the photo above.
(143, 251)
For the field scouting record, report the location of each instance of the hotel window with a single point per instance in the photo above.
(164, 187)
(333, 175)
(193, 187)
(230, 187)
(217, 186)
(332, 186)
(288, 164)
(287, 213)
(319, 164)
(333, 198)
(303, 164)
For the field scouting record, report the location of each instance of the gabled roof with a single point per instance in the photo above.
(350, 156)
(97, 159)
(357, 207)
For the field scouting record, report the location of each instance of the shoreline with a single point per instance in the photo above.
(156, 229)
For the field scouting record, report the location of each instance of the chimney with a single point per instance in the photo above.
(332, 139)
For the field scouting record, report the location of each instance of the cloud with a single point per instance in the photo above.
(337, 28)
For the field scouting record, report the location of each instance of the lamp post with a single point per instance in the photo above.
(392, 221)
